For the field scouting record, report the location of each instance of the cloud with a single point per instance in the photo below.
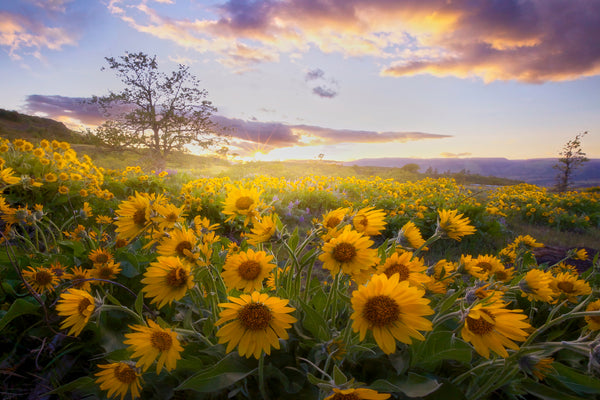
(323, 91)
(24, 34)
(314, 74)
(454, 155)
(324, 87)
(73, 111)
(525, 40)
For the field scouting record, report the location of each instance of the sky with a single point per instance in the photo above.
(344, 79)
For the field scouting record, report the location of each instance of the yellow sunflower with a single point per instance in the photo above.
(180, 242)
(41, 279)
(78, 277)
(493, 327)
(350, 251)
(133, 216)
(488, 264)
(106, 271)
(78, 306)
(100, 256)
(152, 341)
(255, 323)
(391, 310)
(357, 394)
(369, 221)
(333, 218)
(570, 286)
(247, 270)
(593, 321)
(469, 265)
(411, 234)
(119, 378)
(453, 225)
(168, 215)
(262, 230)
(504, 274)
(241, 202)
(536, 285)
(6, 175)
(166, 280)
(408, 268)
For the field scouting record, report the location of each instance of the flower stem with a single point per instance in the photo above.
(261, 377)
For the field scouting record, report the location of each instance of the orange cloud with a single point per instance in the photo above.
(525, 40)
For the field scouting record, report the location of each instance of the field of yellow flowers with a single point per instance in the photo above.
(135, 284)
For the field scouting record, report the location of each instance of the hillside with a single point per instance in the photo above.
(14, 125)
(537, 171)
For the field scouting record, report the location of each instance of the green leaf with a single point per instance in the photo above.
(575, 380)
(338, 376)
(139, 303)
(448, 302)
(294, 239)
(412, 386)
(545, 392)
(315, 381)
(438, 346)
(85, 383)
(225, 373)
(447, 391)
(77, 248)
(313, 321)
(18, 308)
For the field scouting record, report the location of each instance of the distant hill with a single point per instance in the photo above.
(537, 171)
(14, 125)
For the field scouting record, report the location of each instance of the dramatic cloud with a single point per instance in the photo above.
(73, 111)
(23, 34)
(525, 40)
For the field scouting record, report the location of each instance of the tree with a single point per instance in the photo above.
(156, 111)
(571, 157)
(413, 168)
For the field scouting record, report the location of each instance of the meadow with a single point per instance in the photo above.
(222, 284)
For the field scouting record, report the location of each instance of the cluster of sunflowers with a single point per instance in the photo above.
(178, 302)
(569, 210)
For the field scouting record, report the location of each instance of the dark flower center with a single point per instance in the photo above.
(43, 278)
(566, 286)
(125, 374)
(480, 326)
(161, 340)
(83, 305)
(139, 217)
(255, 316)
(344, 252)
(243, 203)
(182, 246)
(349, 396)
(381, 310)
(333, 222)
(177, 277)
(249, 270)
(399, 269)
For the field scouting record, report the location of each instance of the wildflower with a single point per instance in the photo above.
(78, 306)
(168, 215)
(78, 277)
(593, 321)
(152, 341)
(350, 251)
(408, 268)
(570, 285)
(50, 177)
(412, 235)
(100, 256)
(357, 394)
(333, 218)
(255, 323)
(41, 279)
(488, 264)
(180, 242)
(247, 270)
(103, 219)
(469, 265)
(369, 221)
(492, 327)
(62, 189)
(166, 280)
(241, 202)
(581, 254)
(204, 226)
(453, 225)
(536, 285)
(262, 230)
(6, 175)
(118, 379)
(106, 271)
(133, 216)
(391, 310)
(535, 365)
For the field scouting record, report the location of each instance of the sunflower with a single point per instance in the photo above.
(247, 270)
(333, 218)
(357, 394)
(152, 341)
(408, 268)
(133, 216)
(580, 254)
(78, 277)
(391, 310)
(369, 221)
(593, 321)
(6, 175)
(168, 215)
(411, 234)
(241, 202)
(166, 280)
(41, 279)
(78, 306)
(453, 225)
(570, 285)
(180, 242)
(255, 323)
(492, 327)
(262, 230)
(488, 264)
(350, 251)
(469, 265)
(106, 271)
(100, 256)
(536, 285)
(504, 274)
(119, 378)
(204, 226)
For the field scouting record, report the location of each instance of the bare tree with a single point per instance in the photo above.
(157, 111)
(571, 157)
